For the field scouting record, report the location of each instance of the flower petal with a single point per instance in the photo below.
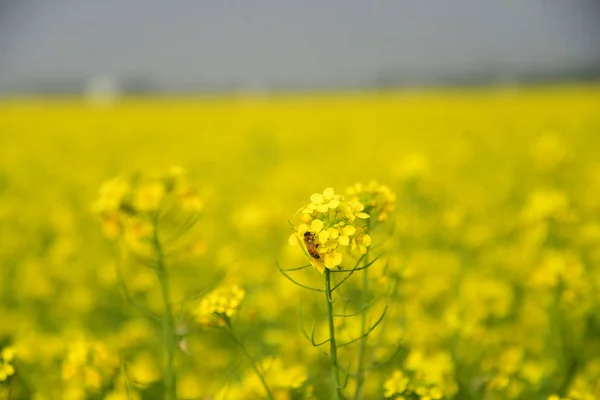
(293, 240)
(328, 193)
(330, 261)
(337, 258)
(334, 203)
(322, 208)
(366, 240)
(362, 215)
(349, 230)
(302, 228)
(316, 226)
(333, 233)
(344, 240)
(318, 265)
(323, 236)
(316, 198)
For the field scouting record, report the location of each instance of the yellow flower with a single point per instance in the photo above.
(189, 199)
(316, 226)
(329, 218)
(347, 232)
(87, 363)
(148, 196)
(360, 242)
(325, 201)
(354, 209)
(7, 355)
(6, 370)
(219, 305)
(333, 259)
(396, 384)
(379, 200)
(111, 194)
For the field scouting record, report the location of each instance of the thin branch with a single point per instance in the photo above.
(128, 296)
(360, 311)
(252, 362)
(367, 332)
(145, 261)
(298, 283)
(347, 372)
(390, 358)
(297, 269)
(341, 271)
(347, 375)
(310, 338)
(184, 227)
(354, 270)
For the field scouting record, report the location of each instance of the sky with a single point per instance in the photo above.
(311, 42)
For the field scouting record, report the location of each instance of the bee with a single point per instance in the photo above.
(311, 246)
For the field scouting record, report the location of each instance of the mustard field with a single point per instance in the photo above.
(398, 245)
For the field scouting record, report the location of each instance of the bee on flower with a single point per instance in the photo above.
(329, 224)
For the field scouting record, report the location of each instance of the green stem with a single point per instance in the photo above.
(337, 391)
(252, 363)
(168, 323)
(360, 373)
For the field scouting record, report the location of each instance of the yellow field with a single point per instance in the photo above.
(486, 271)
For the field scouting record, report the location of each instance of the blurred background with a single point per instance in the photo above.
(478, 120)
(149, 46)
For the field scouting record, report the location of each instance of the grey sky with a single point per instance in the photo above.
(275, 41)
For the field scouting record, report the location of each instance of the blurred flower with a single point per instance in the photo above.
(148, 196)
(7, 355)
(87, 364)
(543, 204)
(127, 206)
(218, 306)
(395, 384)
(379, 200)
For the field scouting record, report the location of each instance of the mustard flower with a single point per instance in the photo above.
(218, 306)
(396, 384)
(379, 200)
(7, 355)
(126, 205)
(88, 363)
(360, 241)
(148, 196)
(329, 224)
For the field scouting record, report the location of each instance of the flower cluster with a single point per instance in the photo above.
(329, 223)
(126, 205)
(379, 200)
(397, 387)
(218, 306)
(87, 365)
(6, 368)
(430, 378)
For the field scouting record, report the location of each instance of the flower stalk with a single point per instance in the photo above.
(360, 374)
(251, 360)
(168, 322)
(336, 393)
